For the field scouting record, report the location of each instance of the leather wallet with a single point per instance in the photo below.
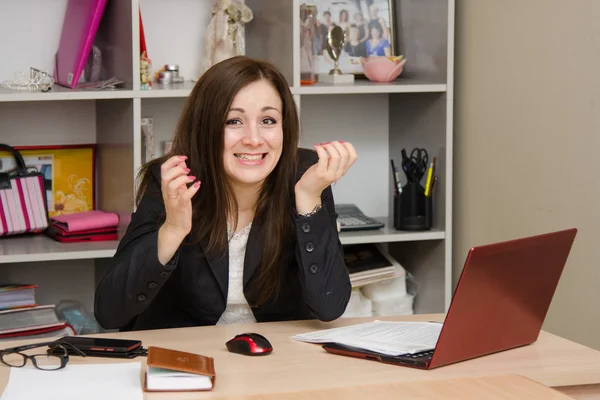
(172, 370)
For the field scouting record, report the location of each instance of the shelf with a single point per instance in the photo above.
(359, 86)
(165, 91)
(63, 93)
(42, 248)
(388, 234)
(365, 86)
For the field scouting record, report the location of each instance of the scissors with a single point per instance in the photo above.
(415, 166)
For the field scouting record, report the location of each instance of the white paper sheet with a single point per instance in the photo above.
(386, 337)
(76, 382)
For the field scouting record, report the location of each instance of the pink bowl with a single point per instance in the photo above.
(381, 68)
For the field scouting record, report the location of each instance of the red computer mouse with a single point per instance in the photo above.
(250, 344)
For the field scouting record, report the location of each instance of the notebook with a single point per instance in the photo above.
(171, 371)
(82, 18)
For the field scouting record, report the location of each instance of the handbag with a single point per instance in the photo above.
(23, 205)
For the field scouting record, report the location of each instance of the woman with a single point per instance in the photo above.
(359, 21)
(354, 47)
(236, 224)
(344, 20)
(377, 45)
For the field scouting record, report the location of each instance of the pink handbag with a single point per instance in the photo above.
(23, 206)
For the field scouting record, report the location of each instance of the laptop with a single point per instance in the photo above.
(500, 302)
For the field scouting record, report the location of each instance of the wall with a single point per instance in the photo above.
(527, 138)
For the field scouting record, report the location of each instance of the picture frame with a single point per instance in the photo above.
(359, 18)
(69, 174)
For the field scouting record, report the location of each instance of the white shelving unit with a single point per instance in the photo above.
(379, 119)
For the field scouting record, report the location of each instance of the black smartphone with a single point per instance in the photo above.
(103, 347)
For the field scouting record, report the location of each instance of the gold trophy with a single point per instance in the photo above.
(335, 43)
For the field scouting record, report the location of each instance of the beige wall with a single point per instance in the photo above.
(527, 139)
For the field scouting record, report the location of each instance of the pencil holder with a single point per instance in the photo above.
(412, 209)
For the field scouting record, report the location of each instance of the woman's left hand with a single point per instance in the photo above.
(335, 158)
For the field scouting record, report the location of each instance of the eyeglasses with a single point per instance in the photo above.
(56, 357)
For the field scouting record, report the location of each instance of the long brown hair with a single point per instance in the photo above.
(199, 136)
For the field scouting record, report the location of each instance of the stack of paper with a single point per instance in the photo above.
(385, 337)
(90, 382)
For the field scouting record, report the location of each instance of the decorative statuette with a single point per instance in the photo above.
(335, 43)
(225, 36)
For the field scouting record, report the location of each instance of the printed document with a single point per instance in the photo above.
(75, 382)
(385, 337)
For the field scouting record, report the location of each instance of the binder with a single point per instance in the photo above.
(82, 18)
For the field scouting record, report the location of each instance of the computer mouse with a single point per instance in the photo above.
(250, 344)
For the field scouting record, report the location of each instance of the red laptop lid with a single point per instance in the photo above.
(503, 296)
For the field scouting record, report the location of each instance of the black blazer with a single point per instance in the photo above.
(138, 292)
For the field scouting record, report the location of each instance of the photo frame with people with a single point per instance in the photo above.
(369, 26)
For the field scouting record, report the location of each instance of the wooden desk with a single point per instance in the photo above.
(500, 387)
(295, 366)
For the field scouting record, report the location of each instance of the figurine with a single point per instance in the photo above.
(145, 72)
(225, 32)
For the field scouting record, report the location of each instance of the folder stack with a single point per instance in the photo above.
(86, 226)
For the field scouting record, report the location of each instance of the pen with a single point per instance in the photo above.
(428, 182)
(433, 184)
(397, 187)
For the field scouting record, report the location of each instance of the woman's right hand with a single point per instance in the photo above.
(177, 196)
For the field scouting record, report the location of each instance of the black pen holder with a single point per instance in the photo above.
(412, 209)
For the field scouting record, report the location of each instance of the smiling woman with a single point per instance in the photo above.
(236, 223)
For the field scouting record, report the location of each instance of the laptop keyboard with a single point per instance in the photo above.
(421, 355)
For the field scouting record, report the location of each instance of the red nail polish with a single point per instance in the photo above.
(182, 157)
(316, 144)
(191, 178)
(187, 170)
(341, 141)
(197, 184)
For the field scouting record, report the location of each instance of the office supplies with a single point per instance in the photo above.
(91, 235)
(172, 371)
(82, 221)
(80, 25)
(435, 178)
(87, 226)
(500, 303)
(90, 381)
(428, 181)
(351, 218)
(397, 185)
(413, 211)
(249, 344)
(367, 262)
(388, 338)
(415, 166)
(430, 177)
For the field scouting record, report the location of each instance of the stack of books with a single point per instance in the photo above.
(22, 318)
(85, 226)
(368, 263)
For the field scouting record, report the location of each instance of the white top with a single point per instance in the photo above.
(238, 311)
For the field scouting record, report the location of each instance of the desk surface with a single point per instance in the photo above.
(295, 366)
(499, 387)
